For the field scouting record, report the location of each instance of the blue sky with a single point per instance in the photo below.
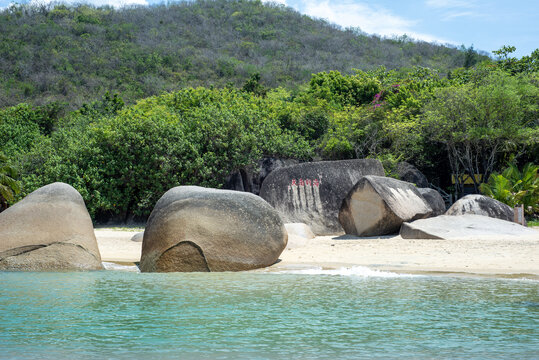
(485, 24)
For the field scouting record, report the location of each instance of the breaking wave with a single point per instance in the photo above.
(360, 271)
(120, 267)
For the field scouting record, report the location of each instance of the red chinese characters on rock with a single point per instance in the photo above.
(304, 182)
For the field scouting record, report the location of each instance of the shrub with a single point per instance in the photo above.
(514, 187)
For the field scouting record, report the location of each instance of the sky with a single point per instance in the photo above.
(485, 24)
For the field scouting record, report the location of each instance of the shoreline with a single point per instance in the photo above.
(491, 258)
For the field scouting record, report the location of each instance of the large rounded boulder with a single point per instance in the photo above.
(198, 229)
(481, 205)
(434, 199)
(380, 205)
(49, 230)
(312, 193)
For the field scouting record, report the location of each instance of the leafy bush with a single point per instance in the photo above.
(514, 187)
(9, 186)
(122, 164)
(343, 90)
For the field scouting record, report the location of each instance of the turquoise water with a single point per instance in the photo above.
(305, 315)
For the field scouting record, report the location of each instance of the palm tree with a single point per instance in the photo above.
(9, 187)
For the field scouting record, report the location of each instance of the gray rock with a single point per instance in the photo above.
(379, 205)
(198, 229)
(481, 205)
(235, 181)
(463, 227)
(312, 193)
(49, 230)
(409, 173)
(300, 230)
(299, 235)
(138, 237)
(434, 199)
(267, 166)
(250, 179)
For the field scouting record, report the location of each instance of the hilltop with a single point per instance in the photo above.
(73, 55)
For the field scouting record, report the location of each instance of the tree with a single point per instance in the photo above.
(9, 187)
(254, 86)
(470, 57)
(478, 123)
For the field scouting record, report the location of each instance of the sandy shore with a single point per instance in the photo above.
(115, 245)
(483, 257)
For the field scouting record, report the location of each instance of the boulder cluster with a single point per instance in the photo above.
(199, 229)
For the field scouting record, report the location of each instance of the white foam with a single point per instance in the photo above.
(119, 267)
(360, 271)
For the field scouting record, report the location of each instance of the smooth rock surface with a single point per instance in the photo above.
(481, 205)
(49, 230)
(473, 227)
(434, 199)
(198, 229)
(409, 173)
(379, 205)
(138, 237)
(312, 193)
(299, 229)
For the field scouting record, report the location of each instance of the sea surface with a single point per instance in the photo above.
(302, 314)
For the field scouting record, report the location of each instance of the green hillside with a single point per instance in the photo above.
(74, 55)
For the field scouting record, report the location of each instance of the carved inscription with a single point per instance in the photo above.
(304, 194)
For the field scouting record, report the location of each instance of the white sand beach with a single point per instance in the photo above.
(115, 244)
(477, 256)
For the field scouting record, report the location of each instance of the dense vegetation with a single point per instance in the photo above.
(9, 186)
(514, 187)
(122, 156)
(73, 55)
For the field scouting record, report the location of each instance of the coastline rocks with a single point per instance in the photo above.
(434, 199)
(481, 205)
(312, 193)
(409, 173)
(49, 230)
(379, 205)
(198, 229)
(464, 227)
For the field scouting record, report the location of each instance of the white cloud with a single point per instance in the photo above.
(453, 9)
(2, 7)
(454, 15)
(450, 4)
(372, 20)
